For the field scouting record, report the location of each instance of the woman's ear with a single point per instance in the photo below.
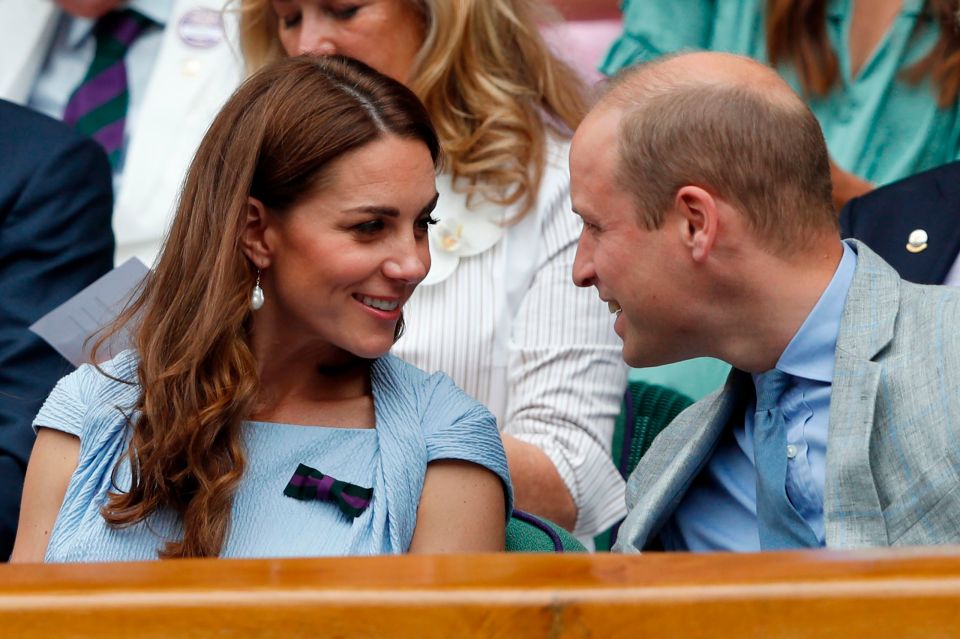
(253, 240)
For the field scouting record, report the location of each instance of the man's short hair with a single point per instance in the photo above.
(761, 151)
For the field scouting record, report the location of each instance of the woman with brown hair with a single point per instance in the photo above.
(498, 312)
(259, 414)
(882, 76)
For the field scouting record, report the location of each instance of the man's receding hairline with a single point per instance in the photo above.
(660, 103)
(666, 76)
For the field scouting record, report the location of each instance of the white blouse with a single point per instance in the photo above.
(500, 314)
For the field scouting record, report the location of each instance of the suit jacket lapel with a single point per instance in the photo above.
(676, 457)
(929, 202)
(852, 513)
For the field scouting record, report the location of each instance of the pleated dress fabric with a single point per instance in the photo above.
(419, 418)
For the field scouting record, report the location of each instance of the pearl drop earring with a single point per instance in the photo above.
(256, 299)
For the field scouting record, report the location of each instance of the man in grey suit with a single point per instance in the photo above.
(703, 182)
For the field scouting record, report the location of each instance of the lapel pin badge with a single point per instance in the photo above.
(917, 241)
(201, 28)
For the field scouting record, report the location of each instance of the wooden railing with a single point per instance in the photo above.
(803, 594)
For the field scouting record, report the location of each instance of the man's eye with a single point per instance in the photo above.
(368, 228)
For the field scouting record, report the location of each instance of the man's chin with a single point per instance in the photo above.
(635, 359)
(639, 357)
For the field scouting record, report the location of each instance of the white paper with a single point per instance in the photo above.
(68, 327)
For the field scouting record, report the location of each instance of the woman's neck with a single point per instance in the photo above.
(313, 384)
(869, 25)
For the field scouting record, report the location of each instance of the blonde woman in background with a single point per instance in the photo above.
(498, 311)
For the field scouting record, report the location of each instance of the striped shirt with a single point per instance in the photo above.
(511, 329)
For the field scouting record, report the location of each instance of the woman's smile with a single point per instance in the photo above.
(380, 307)
(344, 260)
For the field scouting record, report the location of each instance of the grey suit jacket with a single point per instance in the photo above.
(893, 463)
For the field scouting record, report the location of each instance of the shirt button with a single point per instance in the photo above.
(791, 451)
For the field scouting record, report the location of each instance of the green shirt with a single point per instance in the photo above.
(877, 125)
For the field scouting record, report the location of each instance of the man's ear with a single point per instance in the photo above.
(696, 211)
(253, 240)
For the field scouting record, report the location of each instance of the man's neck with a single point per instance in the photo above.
(773, 298)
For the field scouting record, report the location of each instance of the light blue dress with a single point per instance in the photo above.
(419, 418)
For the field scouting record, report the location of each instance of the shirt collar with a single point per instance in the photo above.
(812, 351)
(82, 28)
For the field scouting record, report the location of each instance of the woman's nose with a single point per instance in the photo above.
(409, 267)
(316, 37)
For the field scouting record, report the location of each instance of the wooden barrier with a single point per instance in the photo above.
(802, 594)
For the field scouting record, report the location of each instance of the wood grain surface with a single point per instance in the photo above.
(883, 593)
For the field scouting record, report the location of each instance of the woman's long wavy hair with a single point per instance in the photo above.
(493, 88)
(797, 34)
(274, 140)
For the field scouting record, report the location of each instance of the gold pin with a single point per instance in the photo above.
(917, 241)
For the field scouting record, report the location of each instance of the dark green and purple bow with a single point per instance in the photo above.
(308, 484)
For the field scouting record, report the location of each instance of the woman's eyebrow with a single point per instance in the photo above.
(388, 211)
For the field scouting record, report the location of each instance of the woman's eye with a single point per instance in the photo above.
(425, 222)
(368, 228)
(344, 12)
(290, 20)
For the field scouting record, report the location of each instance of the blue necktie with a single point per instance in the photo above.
(781, 526)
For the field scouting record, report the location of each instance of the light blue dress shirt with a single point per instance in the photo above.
(72, 51)
(719, 512)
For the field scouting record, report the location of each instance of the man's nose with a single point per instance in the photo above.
(583, 271)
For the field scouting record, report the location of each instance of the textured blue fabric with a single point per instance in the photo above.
(780, 525)
(720, 510)
(420, 418)
(891, 479)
